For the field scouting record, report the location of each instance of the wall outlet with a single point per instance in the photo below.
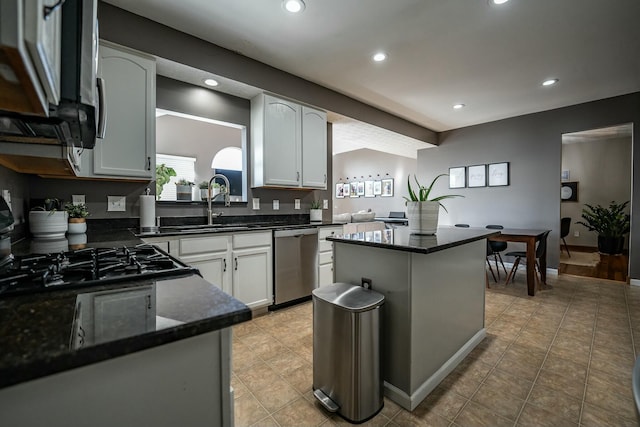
(576, 233)
(325, 204)
(276, 205)
(77, 199)
(116, 203)
(296, 204)
(256, 204)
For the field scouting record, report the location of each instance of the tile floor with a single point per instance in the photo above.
(561, 358)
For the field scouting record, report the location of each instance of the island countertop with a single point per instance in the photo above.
(401, 239)
(50, 332)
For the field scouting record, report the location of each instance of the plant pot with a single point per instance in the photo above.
(610, 245)
(203, 193)
(315, 215)
(77, 225)
(423, 217)
(77, 241)
(183, 192)
(48, 224)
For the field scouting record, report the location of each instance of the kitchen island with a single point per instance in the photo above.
(433, 314)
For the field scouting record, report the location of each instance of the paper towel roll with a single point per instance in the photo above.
(147, 211)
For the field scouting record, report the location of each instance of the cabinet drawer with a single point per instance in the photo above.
(324, 246)
(249, 240)
(323, 232)
(199, 245)
(325, 257)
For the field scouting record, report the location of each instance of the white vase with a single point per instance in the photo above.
(315, 214)
(423, 217)
(48, 224)
(77, 225)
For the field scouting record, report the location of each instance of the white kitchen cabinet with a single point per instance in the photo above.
(288, 144)
(362, 227)
(128, 147)
(240, 264)
(325, 255)
(314, 148)
(253, 269)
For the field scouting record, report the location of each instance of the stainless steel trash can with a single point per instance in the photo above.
(347, 373)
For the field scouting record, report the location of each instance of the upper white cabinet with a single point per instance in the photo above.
(288, 144)
(128, 147)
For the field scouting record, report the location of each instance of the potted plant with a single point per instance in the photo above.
(611, 223)
(163, 175)
(78, 214)
(316, 210)
(204, 186)
(422, 212)
(48, 221)
(183, 189)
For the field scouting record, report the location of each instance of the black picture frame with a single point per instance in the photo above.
(458, 177)
(569, 191)
(476, 176)
(498, 174)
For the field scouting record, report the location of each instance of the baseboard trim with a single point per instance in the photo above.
(634, 282)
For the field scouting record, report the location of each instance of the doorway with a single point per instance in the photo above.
(596, 170)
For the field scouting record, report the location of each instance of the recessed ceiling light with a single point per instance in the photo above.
(458, 106)
(499, 1)
(549, 82)
(293, 6)
(210, 82)
(380, 56)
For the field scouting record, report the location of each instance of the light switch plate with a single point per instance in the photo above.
(296, 203)
(116, 203)
(325, 204)
(256, 204)
(276, 205)
(77, 199)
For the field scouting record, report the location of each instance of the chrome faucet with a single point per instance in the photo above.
(227, 198)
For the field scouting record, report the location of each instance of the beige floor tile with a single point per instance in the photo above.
(604, 398)
(501, 402)
(557, 365)
(594, 416)
(508, 383)
(276, 395)
(443, 402)
(300, 378)
(420, 417)
(475, 415)
(248, 411)
(286, 361)
(557, 402)
(463, 385)
(259, 377)
(239, 389)
(568, 385)
(538, 417)
(378, 421)
(300, 413)
(618, 383)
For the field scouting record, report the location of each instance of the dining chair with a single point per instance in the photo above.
(565, 227)
(497, 248)
(541, 250)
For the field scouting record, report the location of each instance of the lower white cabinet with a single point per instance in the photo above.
(325, 255)
(239, 264)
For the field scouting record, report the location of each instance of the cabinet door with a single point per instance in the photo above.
(325, 274)
(314, 148)
(128, 148)
(123, 313)
(252, 277)
(215, 269)
(282, 135)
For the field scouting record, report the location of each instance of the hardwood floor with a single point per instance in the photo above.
(590, 263)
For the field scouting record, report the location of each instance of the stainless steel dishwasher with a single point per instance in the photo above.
(295, 264)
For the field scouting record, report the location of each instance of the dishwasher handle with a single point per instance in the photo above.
(295, 232)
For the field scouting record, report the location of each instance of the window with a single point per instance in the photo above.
(185, 169)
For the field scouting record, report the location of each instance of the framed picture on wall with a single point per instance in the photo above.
(498, 174)
(368, 189)
(377, 188)
(339, 191)
(354, 189)
(387, 187)
(477, 176)
(458, 177)
(569, 192)
(360, 188)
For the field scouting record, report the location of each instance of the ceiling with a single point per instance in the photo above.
(491, 58)
(600, 134)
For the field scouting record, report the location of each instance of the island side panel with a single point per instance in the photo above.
(447, 307)
(389, 271)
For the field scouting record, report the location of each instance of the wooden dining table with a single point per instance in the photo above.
(530, 237)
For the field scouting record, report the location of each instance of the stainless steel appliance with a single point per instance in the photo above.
(295, 264)
(6, 226)
(70, 117)
(87, 267)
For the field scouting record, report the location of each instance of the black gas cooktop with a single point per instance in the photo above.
(87, 267)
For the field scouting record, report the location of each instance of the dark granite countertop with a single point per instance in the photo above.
(45, 333)
(401, 239)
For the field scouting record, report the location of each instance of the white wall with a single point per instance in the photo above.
(602, 169)
(365, 164)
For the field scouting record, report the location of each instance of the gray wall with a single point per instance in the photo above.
(365, 164)
(602, 169)
(532, 144)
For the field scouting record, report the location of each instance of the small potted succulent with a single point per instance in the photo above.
(48, 221)
(183, 189)
(316, 211)
(78, 214)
